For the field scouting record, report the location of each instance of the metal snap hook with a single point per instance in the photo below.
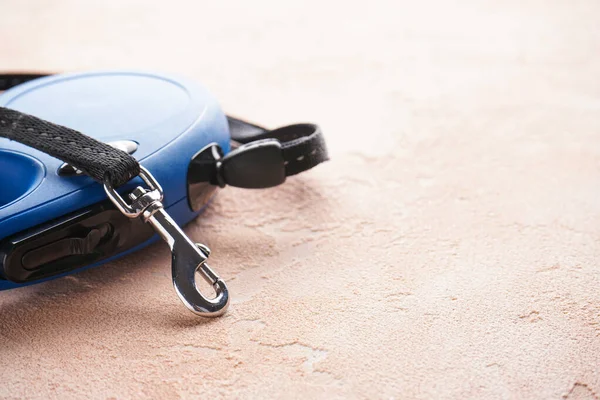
(187, 257)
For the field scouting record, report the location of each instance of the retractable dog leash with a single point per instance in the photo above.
(55, 220)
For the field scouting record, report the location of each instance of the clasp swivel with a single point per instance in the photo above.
(187, 257)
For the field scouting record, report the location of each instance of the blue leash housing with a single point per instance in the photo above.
(168, 117)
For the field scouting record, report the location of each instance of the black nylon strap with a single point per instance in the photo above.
(10, 80)
(96, 159)
(303, 145)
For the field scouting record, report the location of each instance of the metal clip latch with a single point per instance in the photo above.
(188, 257)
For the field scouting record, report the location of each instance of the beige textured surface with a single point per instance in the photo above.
(449, 250)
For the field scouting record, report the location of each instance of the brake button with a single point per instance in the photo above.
(72, 246)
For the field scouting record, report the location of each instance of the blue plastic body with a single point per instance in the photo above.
(171, 119)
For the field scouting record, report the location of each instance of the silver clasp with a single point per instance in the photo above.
(188, 257)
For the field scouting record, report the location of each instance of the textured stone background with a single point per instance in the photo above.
(449, 250)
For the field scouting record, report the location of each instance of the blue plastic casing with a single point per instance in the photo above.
(171, 119)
